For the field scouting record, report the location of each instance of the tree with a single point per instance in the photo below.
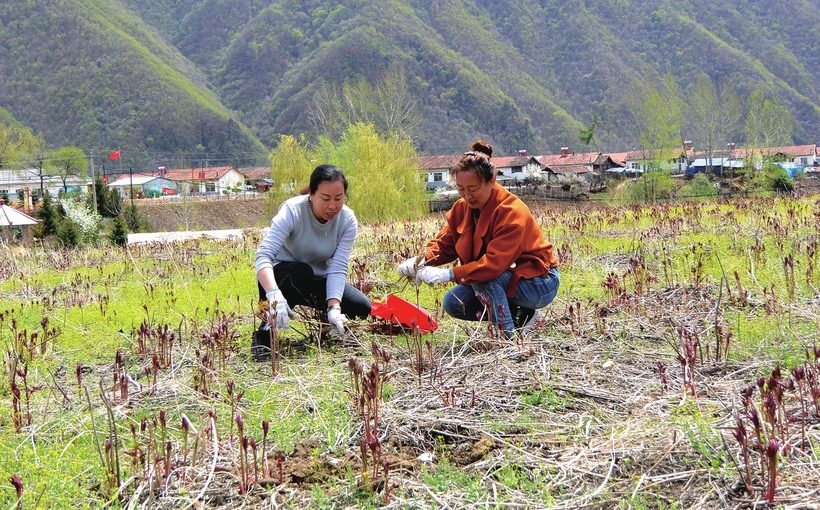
(70, 161)
(135, 220)
(114, 203)
(48, 214)
(389, 105)
(380, 169)
(40, 163)
(768, 126)
(587, 134)
(68, 234)
(384, 179)
(398, 110)
(290, 168)
(714, 114)
(702, 112)
(657, 118)
(103, 206)
(15, 145)
(119, 232)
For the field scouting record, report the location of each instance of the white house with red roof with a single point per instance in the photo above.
(215, 180)
(517, 168)
(435, 170)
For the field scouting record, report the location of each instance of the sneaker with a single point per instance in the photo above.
(530, 323)
(521, 315)
(260, 345)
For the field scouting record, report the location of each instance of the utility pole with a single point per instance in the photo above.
(131, 177)
(93, 181)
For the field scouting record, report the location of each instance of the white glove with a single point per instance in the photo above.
(434, 275)
(336, 318)
(408, 268)
(279, 309)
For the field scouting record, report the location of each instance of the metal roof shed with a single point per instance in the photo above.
(13, 221)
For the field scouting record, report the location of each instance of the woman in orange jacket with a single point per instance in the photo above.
(504, 260)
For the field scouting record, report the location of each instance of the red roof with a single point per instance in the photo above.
(795, 151)
(620, 158)
(584, 158)
(258, 172)
(186, 174)
(437, 162)
(511, 161)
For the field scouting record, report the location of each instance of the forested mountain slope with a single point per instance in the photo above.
(157, 76)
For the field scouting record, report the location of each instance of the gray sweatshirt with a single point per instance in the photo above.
(296, 235)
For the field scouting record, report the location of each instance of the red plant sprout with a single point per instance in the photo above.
(771, 461)
(79, 371)
(243, 472)
(799, 376)
(265, 430)
(662, 372)
(687, 356)
(253, 445)
(167, 458)
(17, 482)
(743, 440)
(16, 415)
(387, 488)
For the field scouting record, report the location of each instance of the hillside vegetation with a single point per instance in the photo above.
(179, 82)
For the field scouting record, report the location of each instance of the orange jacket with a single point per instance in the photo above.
(505, 236)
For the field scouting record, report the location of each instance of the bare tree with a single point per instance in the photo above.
(325, 112)
(703, 115)
(657, 113)
(390, 106)
(398, 107)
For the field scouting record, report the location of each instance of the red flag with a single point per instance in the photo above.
(114, 155)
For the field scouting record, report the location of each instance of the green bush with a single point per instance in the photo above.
(135, 220)
(699, 187)
(48, 214)
(776, 178)
(68, 234)
(119, 232)
(384, 180)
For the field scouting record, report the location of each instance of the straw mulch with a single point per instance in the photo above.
(579, 414)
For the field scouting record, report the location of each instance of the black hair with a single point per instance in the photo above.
(476, 161)
(324, 173)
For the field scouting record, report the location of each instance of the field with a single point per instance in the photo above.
(678, 368)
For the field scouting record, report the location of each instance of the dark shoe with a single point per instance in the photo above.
(260, 345)
(522, 316)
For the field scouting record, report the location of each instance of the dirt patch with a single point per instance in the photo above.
(207, 215)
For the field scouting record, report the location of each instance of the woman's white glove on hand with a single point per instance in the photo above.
(434, 275)
(279, 309)
(408, 268)
(336, 318)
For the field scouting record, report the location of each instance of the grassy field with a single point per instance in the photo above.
(678, 368)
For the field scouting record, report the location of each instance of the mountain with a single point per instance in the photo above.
(223, 79)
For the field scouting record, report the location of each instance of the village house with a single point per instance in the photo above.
(15, 225)
(518, 168)
(207, 180)
(143, 186)
(435, 170)
(12, 182)
(257, 178)
(585, 165)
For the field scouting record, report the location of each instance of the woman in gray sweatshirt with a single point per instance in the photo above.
(303, 259)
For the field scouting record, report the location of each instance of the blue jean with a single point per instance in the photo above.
(462, 301)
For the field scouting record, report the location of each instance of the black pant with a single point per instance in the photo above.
(301, 287)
